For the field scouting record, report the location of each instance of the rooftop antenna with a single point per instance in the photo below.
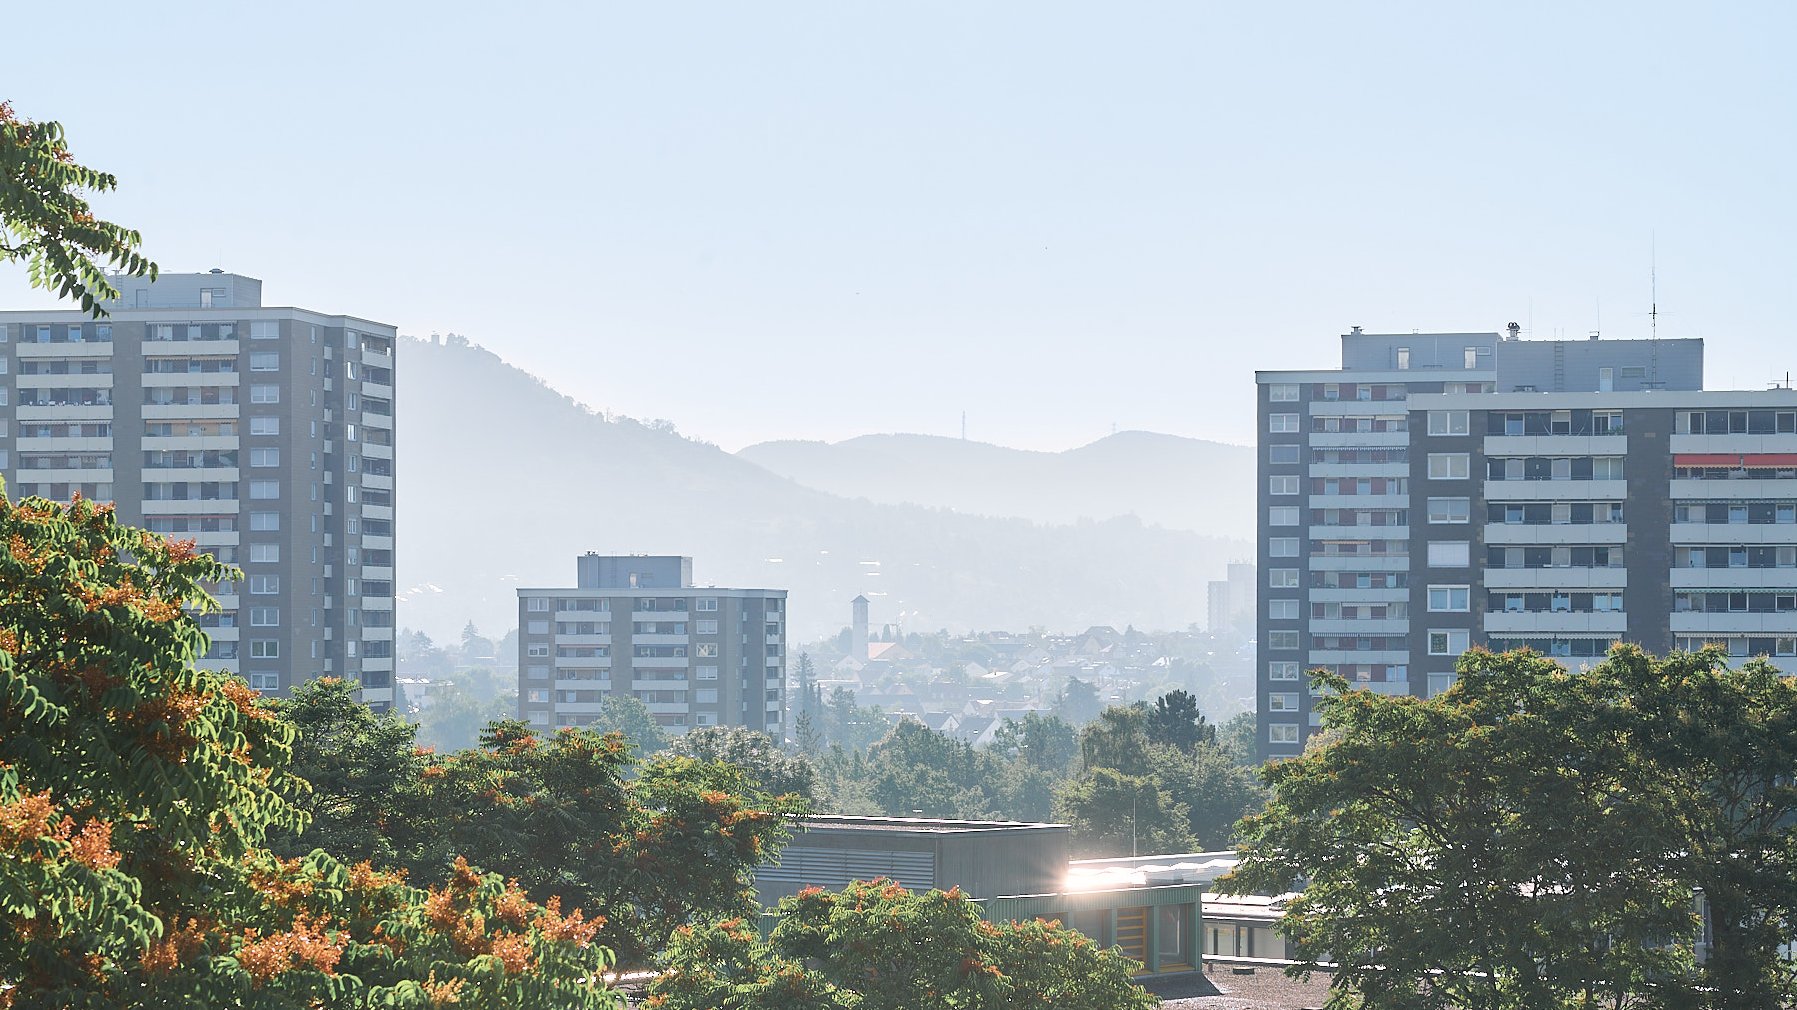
(1653, 287)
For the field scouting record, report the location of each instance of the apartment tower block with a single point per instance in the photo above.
(636, 625)
(1440, 491)
(263, 434)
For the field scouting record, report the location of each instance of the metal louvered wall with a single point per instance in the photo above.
(835, 868)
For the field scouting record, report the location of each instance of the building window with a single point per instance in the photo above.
(1282, 424)
(265, 585)
(536, 604)
(265, 617)
(265, 552)
(265, 457)
(1449, 599)
(265, 490)
(1448, 466)
(265, 426)
(1447, 422)
(1282, 485)
(536, 628)
(264, 393)
(1450, 510)
(705, 627)
(705, 672)
(1282, 610)
(1450, 554)
(1282, 732)
(1282, 547)
(1282, 578)
(706, 604)
(1282, 670)
(1282, 515)
(265, 361)
(265, 648)
(265, 522)
(706, 650)
(1403, 359)
(1282, 392)
(1282, 701)
(1282, 640)
(1439, 682)
(1447, 643)
(1277, 454)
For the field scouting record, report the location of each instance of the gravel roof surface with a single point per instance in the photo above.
(1266, 989)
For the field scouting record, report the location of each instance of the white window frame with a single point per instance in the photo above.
(1282, 732)
(1282, 547)
(1445, 597)
(1282, 424)
(1283, 515)
(1284, 669)
(1447, 518)
(1283, 392)
(1443, 641)
(1461, 551)
(1282, 484)
(1449, 422)
(1443, 464)
(1282, 578)
(1282, 610)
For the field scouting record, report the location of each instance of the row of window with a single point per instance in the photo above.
(1751, 513)
(642, 604)
(1775, 602)
(1738, 556)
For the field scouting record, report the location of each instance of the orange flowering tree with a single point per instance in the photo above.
(656, 844)
(877, 946)
(135, 794)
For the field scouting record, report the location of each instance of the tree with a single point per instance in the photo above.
(626, 715)
(1238, 738)
(1502, 845)
(851, 725)
(769, 769)
(1115, 813)
(655, 844)
(1217, 792)
(460, 706)
(916, 770)
(1078, 703)
(877, 946)
(136, 791)
(1176, 722)
(46, 221)
(1723, 748)
(1043, 742)
(363, 771)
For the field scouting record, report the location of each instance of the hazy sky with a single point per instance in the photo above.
(767, 220)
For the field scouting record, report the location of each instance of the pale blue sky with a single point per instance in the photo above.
(816, 220)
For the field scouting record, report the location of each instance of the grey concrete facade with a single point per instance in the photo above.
(636, 625)
(264, 434)
(1443, 491)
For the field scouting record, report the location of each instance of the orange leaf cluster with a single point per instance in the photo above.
(92, 848)
(177, 948)
(445, 992)
(244, 698)
(306, 943)
(570, 928)
(364, 877)
(25, 820)
(284, 885)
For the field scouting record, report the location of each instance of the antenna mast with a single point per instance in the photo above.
(1653, 281)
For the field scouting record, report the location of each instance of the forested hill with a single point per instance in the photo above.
(502, 482)
(1165, 480)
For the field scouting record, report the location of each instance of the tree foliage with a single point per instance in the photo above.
(768, 768)
(1533, 837)
(136, 791)
(877, 946)
(45, 218)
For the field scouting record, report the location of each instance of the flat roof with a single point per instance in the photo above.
(919, 825)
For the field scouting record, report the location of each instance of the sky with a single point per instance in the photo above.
(820, 220)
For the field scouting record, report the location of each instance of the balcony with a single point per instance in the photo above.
(1352, 501)
(1734, 443)
(660, 662)
(647, 639)
(1545, 621)
(218, 442)
(1550, 534)
(1355, 532)
(667, 708)
(1330, 657)
(1734, 489)
(183, 379)
(188, 348)
(582, 662)
(1357, 439)
(188, 506)
(1359, 470)
(186, 411)
(1352, 563)
(1700, 534)
(63, 444)
(76, 380)
(1556, 445)
(1556, 578)
(1557, 490)
(646, 684)
(76, 349)
(377, 451)
(73, 475)
(65, 412)
(582, 640)
(376, 480)
(1734, 578)
(1359, 626)
(1380, 595)
(1780, 625)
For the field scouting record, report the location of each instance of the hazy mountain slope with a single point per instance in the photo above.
(502, 481)
(1165, 480)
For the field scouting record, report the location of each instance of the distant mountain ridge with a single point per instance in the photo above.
(502, 481)
(1164, 480)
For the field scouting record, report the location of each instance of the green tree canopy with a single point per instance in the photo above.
(45, 218)
(1534, 837)
(877, 946)
(136, 791)
(1176, 722)
(769, 769)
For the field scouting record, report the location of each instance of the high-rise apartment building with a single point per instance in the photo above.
(263, 434)
(1440, 491)
(636, 625)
